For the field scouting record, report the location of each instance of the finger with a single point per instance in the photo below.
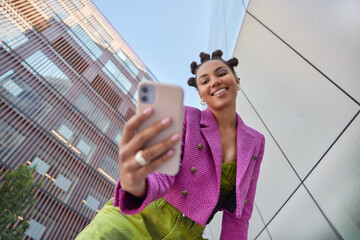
(153, 165)
(133, 123)
(153, 152)
(139, 140)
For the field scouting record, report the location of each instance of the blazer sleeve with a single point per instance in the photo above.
(237, 228)
(157, 185)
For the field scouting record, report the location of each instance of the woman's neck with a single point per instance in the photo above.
(226, 118)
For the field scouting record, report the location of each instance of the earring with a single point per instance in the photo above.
(238, 87)
(202, 102)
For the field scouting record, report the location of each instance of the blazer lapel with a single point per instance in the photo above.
(210, 131)
(245, 144)
(245, 148)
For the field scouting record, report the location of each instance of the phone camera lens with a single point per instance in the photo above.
(145, 89)
(144, 98)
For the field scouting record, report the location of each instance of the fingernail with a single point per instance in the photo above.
(170, 152)
(165, 121)
(175, 137)
(147, 111)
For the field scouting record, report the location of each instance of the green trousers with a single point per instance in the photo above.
(159, 220)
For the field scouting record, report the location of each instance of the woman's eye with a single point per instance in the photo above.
(204, 82)
(223, 73)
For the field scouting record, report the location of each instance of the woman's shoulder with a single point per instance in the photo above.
(255, 133)
(191, 113)
(189, 109)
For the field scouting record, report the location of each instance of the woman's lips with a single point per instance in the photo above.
(219, 92)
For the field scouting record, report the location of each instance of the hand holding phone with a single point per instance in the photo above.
(166, 101)
(151, 138)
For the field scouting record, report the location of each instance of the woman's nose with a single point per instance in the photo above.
(215, 82)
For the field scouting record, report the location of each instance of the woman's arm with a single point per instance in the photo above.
(237, 228)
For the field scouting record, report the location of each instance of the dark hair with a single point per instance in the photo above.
(204, 57)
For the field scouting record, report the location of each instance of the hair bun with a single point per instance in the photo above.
(193, 67)
(191, 82)
(204, 57)
(217, 54)
(233, 62)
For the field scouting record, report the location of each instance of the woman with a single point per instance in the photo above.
(220, 165)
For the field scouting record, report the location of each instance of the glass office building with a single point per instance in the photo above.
(67, 86)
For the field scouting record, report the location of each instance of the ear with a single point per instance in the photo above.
(237, 80)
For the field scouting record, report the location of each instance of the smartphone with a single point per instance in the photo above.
(166, 101)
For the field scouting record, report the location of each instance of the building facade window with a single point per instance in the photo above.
(41, 166)
(106, 92)
(109, 168)
(134, 99)
(39, 64)
(11, 35)
(35, 230)
(70, 55)
(10, 140)
(59, 13)
(117, 77)
(12, 88)
(62, 182)
(75, 141)
(127, 63)
(78, 4)
(31, 14)
(86, 147)
(23, 96)
(118, 137)
(85, 42)
(65, 131)
(57, 173)
(92, 203)
(91, 111)
(100, 32)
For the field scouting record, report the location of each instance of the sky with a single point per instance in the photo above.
(166, 35)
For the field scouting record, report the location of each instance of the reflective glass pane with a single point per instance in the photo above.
(41, 166)
(12, 36)
(117, 76)
(85, 42)
(39, 63)
(35, 230)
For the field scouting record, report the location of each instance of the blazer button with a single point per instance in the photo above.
(200, 146)
(255, 157)
(251, 179)
(245, 201)
(185, 193)
(193, 169)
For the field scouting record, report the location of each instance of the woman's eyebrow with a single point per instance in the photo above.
(204, 75)
(217, 69)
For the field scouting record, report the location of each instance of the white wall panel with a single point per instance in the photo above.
(300, 219)
(272, 191)
(255, 224)
(327, 33)
(335, 182)
(213, 229)
(264, 236)
(302, 109)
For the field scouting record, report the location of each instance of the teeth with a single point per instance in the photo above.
(220, 91)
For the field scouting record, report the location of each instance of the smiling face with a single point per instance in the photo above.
(217, 85)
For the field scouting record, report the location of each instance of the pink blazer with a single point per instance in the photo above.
(201, 149)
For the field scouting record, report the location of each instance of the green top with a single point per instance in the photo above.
(228, 177)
